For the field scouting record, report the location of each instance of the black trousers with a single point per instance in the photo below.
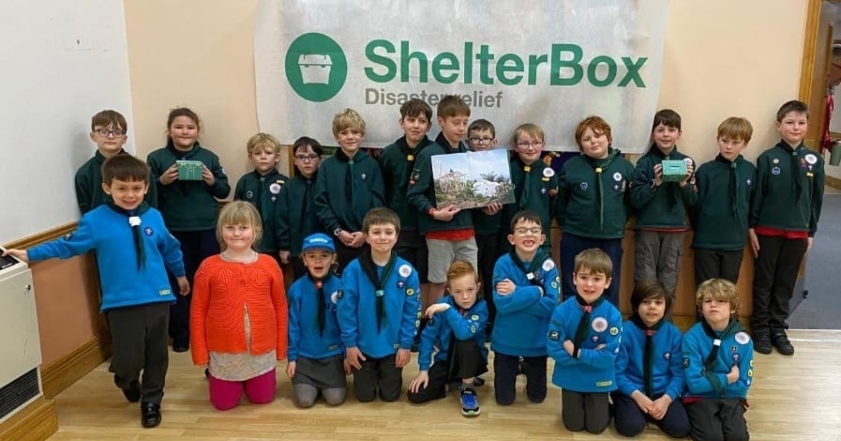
(378, 374)
(718, 419)
(468, 363)
(411, 246)
(585, 411)
(487, 255)
(717, 264)
(196, 246)
(630, 420)
(506, 368)
(139, 339)
(344, 254)
(773, 283)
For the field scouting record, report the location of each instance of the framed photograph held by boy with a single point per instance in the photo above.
(472, 179)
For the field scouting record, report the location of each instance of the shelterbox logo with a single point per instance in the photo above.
(316, 67)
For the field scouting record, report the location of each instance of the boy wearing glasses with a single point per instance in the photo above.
(261, 188)
(108, 132)
(535, 183)
(296, 217)
(526, 290)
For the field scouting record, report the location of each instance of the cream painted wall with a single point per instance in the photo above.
(722, 58)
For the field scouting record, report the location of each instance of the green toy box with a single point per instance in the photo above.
(674, 170)
(189, 170)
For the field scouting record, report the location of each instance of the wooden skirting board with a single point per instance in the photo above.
(36, 422)
(833, 182)
(63, 372)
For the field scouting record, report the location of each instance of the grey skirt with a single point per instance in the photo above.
(321, 373)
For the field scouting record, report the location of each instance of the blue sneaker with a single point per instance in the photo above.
(469, 402)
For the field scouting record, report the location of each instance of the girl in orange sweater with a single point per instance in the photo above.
(239, 315)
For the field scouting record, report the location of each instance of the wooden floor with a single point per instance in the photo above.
(796, 398)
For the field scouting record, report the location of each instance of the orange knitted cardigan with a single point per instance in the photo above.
(221, 292)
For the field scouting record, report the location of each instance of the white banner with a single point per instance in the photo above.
(546, 62)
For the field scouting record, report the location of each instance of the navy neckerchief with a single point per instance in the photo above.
(794, 153)
(533, 271)
(322, 307)
(600, 166)
(584, 323)
(735, 193)
(732, 328)
(370, 270)
(134, 223)
(648, 354)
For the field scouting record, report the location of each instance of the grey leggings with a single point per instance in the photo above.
(306, 394)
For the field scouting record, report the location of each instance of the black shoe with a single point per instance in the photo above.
(207, 373)
(478, 381)
(782, 344)
(150, 415)
(762, 343)
(132, 393)
(180, 345)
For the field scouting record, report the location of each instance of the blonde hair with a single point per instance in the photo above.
(595, 260)
(239, 213)
(719, 289)
(348, 119)
(736, 128)
(461, 268)
(261, 142)
(530, 129)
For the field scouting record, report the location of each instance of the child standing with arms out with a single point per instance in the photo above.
(262, 188)
(448, 230)
(725, 188)
(487, 221)
(526, 290)
(189, 207)
(379, 310)
(718, 364)
(649, 373)
(396, 163)
(238, 318)
(347, 187)
(317, 362)
(108, 132)
(458, 334)
(583, 338)
(783, 219)
(535, 183)
(593, 202)
(661, 206)
(296, 218)
(134, 252)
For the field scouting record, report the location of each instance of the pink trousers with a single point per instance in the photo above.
(225, 395)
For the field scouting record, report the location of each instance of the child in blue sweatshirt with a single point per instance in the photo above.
(718, 364)
(134, 253)
(526, 290)
(379, 310)
(456, 335)
(583, 338)
(316, 356)
(649, 374)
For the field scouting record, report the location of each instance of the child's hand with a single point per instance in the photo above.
(733, 375)
(754, 242)
(285, 257)
(658, 175)
(505, 287)
(445, 214)
(436, 308)
(207, 175)
(17, 254)
(643, 402)
(600, 347)
(290, 369)
(345, 237)
(358, 239)
(569, 346)
(346, 365)
(690, 169)
(354, 357)
(492, 209)
(170, 175)
(659, 407)
(419, 383)
(402, 358)
(183, 285)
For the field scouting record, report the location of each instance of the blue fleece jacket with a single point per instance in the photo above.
(595, 369)
(735, 350)
(666, 371)
(305, 336)
(463, 325)
(108, 232)
(357, 309)
(522, 317)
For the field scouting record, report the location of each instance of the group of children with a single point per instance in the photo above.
(356, 305)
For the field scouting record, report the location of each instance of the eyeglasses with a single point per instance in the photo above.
(525, 145)
(105, 132)
(306, 158)
(480, 140)
(524, 231)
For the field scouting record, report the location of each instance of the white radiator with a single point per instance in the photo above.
(20, 344)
